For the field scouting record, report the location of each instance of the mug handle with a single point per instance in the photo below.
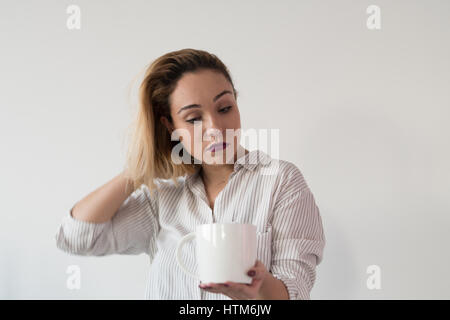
(183, 240)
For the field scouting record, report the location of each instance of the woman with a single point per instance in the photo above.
(189, 94)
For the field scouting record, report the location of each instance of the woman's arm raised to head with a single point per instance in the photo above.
(112, 219)
(101, 204)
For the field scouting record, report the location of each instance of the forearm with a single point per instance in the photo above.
(101, 204)
(273, 289)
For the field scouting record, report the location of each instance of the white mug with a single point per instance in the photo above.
(224, 252)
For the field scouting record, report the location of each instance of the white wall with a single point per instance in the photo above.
(363, 113)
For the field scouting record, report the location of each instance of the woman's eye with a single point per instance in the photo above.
(223, 110)
(193, 119)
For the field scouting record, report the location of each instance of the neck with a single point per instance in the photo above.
(217, 174)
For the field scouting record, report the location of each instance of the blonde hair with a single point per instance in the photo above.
(150, 147)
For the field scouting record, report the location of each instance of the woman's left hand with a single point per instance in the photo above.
(241, 291)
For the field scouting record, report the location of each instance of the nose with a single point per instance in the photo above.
(213, 128)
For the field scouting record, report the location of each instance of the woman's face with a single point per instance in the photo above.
(203, 107)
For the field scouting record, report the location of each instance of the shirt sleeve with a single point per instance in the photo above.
(298, 237)
(132, 230)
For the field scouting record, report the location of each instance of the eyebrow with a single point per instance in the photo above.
(198, 106)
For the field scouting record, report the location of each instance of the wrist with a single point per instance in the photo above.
(264, 290)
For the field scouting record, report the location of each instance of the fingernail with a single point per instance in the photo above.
(251, 273)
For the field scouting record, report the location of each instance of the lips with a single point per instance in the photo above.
(217, 146)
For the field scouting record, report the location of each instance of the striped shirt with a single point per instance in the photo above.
(272, 194)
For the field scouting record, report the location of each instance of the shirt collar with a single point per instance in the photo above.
(252, 160)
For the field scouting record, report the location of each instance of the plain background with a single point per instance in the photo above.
(363, 113)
